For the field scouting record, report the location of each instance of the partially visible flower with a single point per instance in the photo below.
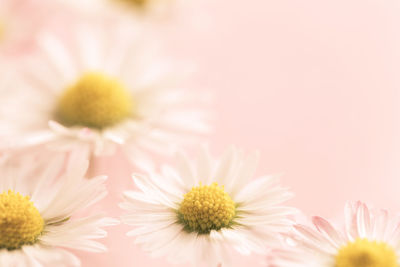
(202, 211)
(370, 239)
(126, 8)
(38, 207)
(148, 6)
(100, 91)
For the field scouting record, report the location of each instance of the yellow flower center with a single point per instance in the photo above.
(20, 221)
(96, 101)
(136, 3)
(365, 253)
(206, 208)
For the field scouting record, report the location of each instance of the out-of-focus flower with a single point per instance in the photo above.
(369, 239)
(126, 8)
(38, 207)
(102, 90)
(143, 7)
(201, 211)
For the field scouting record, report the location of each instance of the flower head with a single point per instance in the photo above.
(200, 211)
(38, 207)
(100, 92)
(368, 240)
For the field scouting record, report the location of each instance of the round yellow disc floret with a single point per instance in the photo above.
(20, 221)
(96, 101)
(365, 253)
(206, 208)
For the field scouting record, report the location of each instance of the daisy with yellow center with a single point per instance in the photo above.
(102, 92)
(199, 212)
(37, 207)
(369, 240)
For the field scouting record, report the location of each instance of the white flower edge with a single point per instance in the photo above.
(152, 209)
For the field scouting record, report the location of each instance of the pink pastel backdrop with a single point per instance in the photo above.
(313, 84)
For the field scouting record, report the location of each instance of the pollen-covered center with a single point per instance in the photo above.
(365, 253)
(95, 100)
(206, 208)
(20, 221)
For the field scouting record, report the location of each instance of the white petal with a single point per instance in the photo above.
(329, 231)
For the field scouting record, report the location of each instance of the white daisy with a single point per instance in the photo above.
(38, 208)
(369, 239)
(100, 91)
(200, 211)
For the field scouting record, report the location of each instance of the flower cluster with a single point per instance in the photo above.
(81, 80)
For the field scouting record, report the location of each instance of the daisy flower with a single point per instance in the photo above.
(38, 209)
(100, 91)
(369, 239)
(201, 211)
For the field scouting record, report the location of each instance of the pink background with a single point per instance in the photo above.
(313, 84)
